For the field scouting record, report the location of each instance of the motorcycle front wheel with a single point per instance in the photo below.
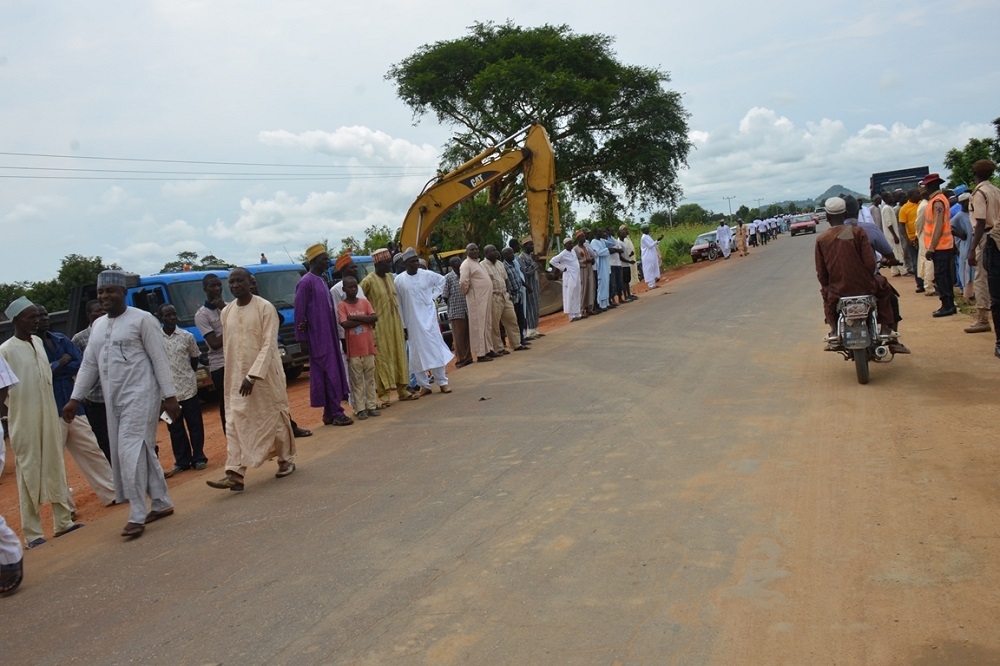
(861, 365)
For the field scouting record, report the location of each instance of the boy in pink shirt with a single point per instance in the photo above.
(357, 318)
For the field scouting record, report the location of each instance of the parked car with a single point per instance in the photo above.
(706, 246)
(803, 224)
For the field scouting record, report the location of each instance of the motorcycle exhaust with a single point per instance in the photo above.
(881, 352)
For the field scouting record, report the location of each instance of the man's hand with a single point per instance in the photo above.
(69, 410)
(929, 255)
(972, 259)
(172, 407)
(246, 387)
(65, 360)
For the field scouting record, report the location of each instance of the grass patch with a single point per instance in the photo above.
(675, 248)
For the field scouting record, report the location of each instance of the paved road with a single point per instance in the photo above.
(651, 486)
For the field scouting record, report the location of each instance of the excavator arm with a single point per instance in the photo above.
(528, 150)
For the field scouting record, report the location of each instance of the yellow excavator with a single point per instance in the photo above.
(528, 150)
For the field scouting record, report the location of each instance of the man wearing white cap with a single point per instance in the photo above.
(35, 435)
(417, 290)
(567, 263)
(127, 356)
(11, 555)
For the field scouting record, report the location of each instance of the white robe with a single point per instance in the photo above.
(10, 545)
(566, 262)
(418, 310)
(649, 250)
(889, 222)
(126, 354)
(724, 236)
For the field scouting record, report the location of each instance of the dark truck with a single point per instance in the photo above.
(904, 179)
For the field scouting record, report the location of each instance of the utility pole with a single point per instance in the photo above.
(758, 205)
(730, 200)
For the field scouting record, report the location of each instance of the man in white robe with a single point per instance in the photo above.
(35, 435)
(258, 425)
(127, 356)
(724, 237)
(649, 251)
(567, 263)
(11, 554)
(887, 215)
(416, 290)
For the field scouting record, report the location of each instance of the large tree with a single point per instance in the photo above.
(618, 133)
(74, 271)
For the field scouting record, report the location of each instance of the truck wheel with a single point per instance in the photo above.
(293, 372)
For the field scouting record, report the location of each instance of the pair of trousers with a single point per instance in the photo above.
(440, 378)
(362, 372)
(911, 263)
(219, 382)
(460, 340)
(980, 286)
(503, 314)
(522, 323)
(187, 435)
(79, 440)
(97, 414)
(992, 261)
(617, 291)
(944, 277)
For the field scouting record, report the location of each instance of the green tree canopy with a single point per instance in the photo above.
(74, 271)
(691, 213)
(376, 236)
(190, 261)
(616, 130)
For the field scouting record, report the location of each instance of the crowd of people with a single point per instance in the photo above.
(948, 240)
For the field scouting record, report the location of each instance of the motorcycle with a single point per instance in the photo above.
(858, 337)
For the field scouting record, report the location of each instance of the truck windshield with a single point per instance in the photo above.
(279, 286)
(187, 297)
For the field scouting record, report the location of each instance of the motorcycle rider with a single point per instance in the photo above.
(846, 266)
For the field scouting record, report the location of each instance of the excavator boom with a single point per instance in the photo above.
(528, 150)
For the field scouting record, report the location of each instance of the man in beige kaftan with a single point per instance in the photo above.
(258, 426)
(477, 286)
(35, 434)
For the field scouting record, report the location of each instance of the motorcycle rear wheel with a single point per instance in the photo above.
(861, 365)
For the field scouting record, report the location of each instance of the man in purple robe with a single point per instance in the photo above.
(316, 330)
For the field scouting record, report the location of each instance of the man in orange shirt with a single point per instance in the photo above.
(908, 220)
(939, 244)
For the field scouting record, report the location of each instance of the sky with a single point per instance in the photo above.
(785, 99)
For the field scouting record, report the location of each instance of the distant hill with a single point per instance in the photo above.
(838, 191)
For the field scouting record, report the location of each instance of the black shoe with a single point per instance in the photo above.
(944, 312)
(996, 352)
(920, 290)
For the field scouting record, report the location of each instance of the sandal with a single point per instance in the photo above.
(284, 470)
(153, 516)
(342, 420)
(362, 415)
(133, 530)
(11, 576)
(71, 528)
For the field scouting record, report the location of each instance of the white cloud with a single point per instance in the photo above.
(188, 189)
(768, 155)
(113, 199)
(365, 145)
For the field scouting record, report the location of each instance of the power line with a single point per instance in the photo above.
(270, 177)
(165, 161)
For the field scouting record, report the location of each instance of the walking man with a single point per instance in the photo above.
(458, 313)
(35, 435)
(316, 330)
(259, 426)
(126, 355)
(11, 555)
